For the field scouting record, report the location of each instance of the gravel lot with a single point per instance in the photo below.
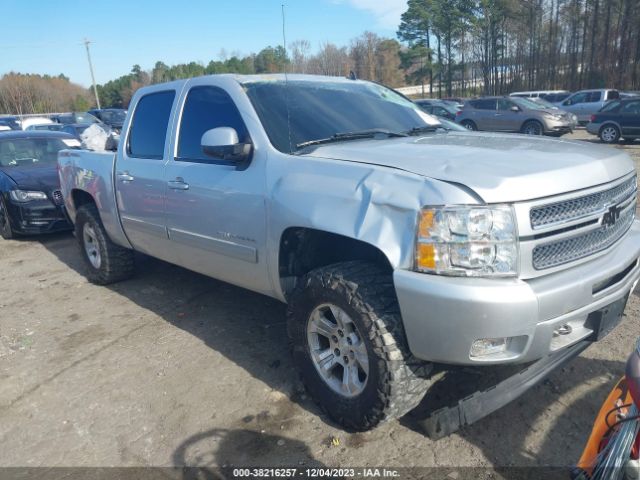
(173, 368)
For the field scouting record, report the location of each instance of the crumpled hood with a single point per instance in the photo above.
(498, 167)
(42, 177)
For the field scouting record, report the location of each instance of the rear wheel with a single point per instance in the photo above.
(469, 125)
(532, 127)
(350, 348)
(106, 262)
(5, 225)
(609, 134)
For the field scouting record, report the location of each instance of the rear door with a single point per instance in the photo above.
(483, 113)
(139, 175)
(630, 118)
(216, 214)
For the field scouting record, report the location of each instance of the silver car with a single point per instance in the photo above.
(587, 102)
(513, 114)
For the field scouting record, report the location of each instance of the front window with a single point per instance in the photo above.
(30, 151)
(297, 112)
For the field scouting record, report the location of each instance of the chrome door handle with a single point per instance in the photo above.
(125, 177)
(178, 184)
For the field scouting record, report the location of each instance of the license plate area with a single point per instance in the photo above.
(606, 319)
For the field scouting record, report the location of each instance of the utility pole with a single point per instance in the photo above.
(93, 78)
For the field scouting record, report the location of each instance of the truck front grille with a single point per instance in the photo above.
(574, 248)
(580, 207)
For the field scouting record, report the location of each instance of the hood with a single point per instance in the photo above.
(42, 177)
(498, 167)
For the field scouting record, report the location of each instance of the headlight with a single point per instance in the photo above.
(469, 241)
(553, 116)
(26, 196)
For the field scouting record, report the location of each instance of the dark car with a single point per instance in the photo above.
(10, 122)
(438, 108)
(114, 117)
(30, 197)
(617, 119)
(75, 117)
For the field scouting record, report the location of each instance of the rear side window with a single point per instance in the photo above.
(206, 108)
(613, 95)
(485, 104)
(149, 125)
(594, 97)
(632, 108)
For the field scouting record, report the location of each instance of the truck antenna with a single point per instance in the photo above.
(286, 80)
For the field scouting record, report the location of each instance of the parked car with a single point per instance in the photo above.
(30, 197)
(455, 101)
(538, 93)
(76, 117)
(513, 114)
(587, 102)
(618, 119)
(114, 117)
(10, 123)
(395, 243)
(52, 127)
(438, 108)
(26, 122)
(555, 97)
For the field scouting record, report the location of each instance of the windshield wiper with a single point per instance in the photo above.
(424, 129)
(342, 136)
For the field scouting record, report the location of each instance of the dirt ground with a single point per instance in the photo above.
(173, 368)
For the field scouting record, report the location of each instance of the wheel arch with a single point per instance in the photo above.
(532, 119)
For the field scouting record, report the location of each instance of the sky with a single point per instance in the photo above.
(46, 37)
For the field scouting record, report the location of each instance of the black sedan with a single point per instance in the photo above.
(30, 197)
(617, 119)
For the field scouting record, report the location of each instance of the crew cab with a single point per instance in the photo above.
(397, 244)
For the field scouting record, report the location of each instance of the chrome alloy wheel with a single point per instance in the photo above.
(337, 350)
(91, 247)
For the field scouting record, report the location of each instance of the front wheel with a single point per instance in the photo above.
(350, 348)
(532, 127)
(609, 134)
(106, 262)
(5, 224)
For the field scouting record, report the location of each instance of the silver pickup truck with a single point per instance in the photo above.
(396, 243)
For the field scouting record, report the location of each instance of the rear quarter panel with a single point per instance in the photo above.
(92, 173)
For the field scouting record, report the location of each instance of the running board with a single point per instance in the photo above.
(447, 420)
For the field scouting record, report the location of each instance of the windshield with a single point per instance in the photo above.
(28, 151)
(85, 118)
(113, 116)
(546, 104)
(317, 110)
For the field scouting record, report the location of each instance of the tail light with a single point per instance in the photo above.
(459, 112)
(593, 118)
(632, 375)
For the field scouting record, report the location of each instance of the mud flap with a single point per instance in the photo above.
(478, 405)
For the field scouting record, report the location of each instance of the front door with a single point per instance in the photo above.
(216, 214)
(506, 119)
(139, 176)
(630, 119)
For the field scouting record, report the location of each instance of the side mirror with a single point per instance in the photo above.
(515, 108)
(223, 143)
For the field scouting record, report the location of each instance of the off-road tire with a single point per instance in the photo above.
(117, 263)
(397, 381)
(5, 228)
(469, 125)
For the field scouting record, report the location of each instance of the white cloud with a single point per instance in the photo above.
(386, 12)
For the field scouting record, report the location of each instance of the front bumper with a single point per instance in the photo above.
(555, 126)
(443, 316)
(37, 217)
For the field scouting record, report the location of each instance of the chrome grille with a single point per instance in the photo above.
(568, 250)
(57, 197)
(580, 207)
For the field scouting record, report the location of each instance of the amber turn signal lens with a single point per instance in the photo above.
(426, 257)
(426, 223)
